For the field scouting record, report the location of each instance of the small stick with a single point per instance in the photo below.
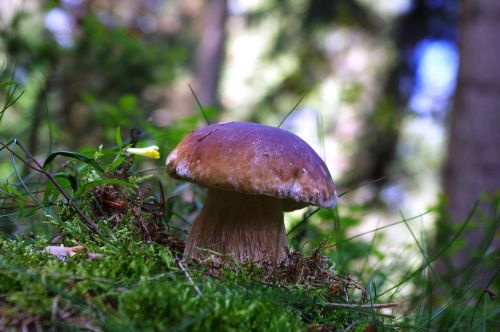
(39, 168)
(162, 204)
(183, 269)
(367, 306)
(361, 185)
(199, 139)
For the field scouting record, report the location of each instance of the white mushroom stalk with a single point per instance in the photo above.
(248, 227)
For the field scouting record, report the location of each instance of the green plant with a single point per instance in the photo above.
(127, 273)
(130, 276)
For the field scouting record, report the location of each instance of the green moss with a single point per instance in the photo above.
(166, 303)
(134, 285)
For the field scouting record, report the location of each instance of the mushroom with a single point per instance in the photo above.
(253, 173)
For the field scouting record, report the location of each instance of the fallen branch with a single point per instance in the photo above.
(183, 269)
(364, 306)
(39, 168)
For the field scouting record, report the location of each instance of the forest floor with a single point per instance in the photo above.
(122, 269)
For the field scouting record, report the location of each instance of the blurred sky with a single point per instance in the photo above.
(436, 74)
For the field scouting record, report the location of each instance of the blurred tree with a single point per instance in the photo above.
(30, 57)
(210, 53)
(378, 134)
(473, 163)
(425, 20)
(111, 56)
(301, 33)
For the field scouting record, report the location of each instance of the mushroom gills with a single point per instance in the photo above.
(248, 227)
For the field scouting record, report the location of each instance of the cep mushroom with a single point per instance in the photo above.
(253, 174)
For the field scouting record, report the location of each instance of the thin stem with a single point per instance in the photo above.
(367, 306)
(39, 168)
(199, 105)
(290, 112)
(183, 269)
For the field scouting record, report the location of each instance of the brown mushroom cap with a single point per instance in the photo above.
(254, 159)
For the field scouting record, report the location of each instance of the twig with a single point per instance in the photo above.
(49, 175)
(364, 306)
(162, 205)
(39, 168)
(349, 190)
(183, 269)
(303, 221)
(306, 217)
(376, 229)
(485, 291)
(199, 139)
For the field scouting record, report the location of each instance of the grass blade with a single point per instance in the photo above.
(290, 112)
(199, 105)
(75, 155)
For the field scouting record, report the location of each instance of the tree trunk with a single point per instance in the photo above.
(473, 163)
(210, 53)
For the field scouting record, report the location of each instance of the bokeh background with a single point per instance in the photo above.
(372, 85)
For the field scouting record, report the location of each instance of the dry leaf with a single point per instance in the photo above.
(61, 251)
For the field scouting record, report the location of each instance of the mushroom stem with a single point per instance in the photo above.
(245, 226)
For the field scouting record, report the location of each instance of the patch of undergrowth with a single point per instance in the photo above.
(131, 285)
(87, 243)
(115, 263)
(126, 283)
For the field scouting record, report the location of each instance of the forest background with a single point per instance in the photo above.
(398, 97)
